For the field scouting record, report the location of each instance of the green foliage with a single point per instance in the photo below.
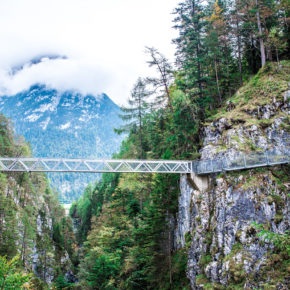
(124, 222)
(201, 280)
(123, 248)
(270, 83)
(57, 236)
(8, 237)
(179, 266)
(134, 113)
(10, 276)
(91, 203)
(205, 260)
(61, 283)
(31, 217)
(280, 241)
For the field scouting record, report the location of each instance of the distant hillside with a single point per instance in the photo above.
(33, 226)
(68, 125)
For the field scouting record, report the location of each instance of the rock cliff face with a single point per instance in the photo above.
(33, 225)
(30, 217)
(226, 250)
(184, 217)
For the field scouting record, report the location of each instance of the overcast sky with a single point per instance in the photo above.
(103, 40)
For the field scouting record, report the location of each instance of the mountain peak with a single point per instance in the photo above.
(65, 124)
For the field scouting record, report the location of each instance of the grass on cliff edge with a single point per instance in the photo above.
(269, 84)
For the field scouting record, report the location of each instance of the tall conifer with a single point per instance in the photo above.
(135, 112)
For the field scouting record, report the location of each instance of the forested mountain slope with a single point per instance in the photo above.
(158, 232)
(239, 226)
(65, 125)
(33, 225)
(155, 231)
(228, 93)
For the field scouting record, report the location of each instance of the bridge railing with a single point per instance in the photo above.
(241, 161)
(94, 166)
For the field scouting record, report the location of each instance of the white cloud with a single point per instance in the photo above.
(103, 40)
(65, 126)
(64, 74)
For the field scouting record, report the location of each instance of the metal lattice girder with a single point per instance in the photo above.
(241, 161)
(89, 165)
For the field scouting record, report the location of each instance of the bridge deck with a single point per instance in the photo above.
(241, 161)
(90, 165)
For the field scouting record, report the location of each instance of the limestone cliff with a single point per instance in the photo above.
(33, 224)
(223, 221)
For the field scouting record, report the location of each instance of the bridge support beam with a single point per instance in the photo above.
(200, 183)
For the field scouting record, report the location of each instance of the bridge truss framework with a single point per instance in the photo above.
(241, 161)
(94, 166)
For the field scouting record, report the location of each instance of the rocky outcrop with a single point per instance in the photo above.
(225, 248)
(184, 217)
(224, 221)
(36, 213)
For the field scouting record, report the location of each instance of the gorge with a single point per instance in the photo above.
(226, 97)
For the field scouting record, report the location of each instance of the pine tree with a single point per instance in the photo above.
(236, 18)
(259, 18)
(135, 113)
(191, 53)
(260, 34)
(276, 42)
(10, 276)
(161, 83)
(217, 42)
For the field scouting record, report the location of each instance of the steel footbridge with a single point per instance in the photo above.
(207, 166)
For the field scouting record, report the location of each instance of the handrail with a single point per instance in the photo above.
(241, 161)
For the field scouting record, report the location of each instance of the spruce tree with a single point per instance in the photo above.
(191, 53)
(135, 112)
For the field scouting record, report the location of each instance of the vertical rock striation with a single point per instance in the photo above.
(183, 225)
(226, 250)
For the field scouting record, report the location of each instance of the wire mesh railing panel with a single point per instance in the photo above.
(241, 161)
(277, 159)
(237, 163)
(255, 159)
(208, 166)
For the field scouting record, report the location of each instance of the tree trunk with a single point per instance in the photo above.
(141, 202)
(239, 52)
(140, 131)
(199, 72)
(44, 268)
(217, 80)
(253, 58)
(262, 46)
(197, 51)
(167, 93)
(269, 54)
(169, 250)
(23, 246)
(164, 81)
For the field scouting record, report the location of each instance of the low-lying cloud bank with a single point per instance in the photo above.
(58, 73)
(103, 40)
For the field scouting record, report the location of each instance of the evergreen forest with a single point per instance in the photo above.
(232, 57)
